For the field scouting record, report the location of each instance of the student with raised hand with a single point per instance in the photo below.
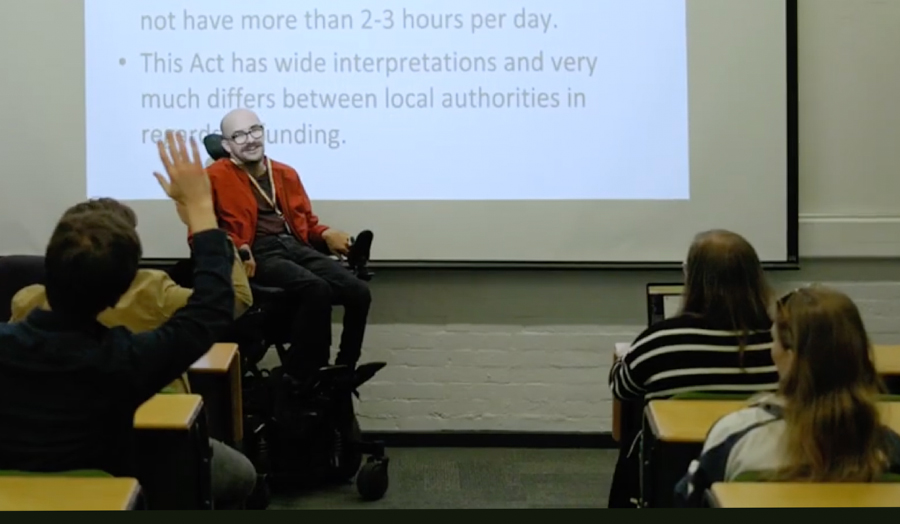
(823, 424)
(719, 342)
(69, 385)
(153, 298)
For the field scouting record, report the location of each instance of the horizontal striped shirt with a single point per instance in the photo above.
(684, 354)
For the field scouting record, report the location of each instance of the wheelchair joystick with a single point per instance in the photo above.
(358, 258)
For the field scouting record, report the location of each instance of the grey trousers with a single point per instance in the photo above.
(233, 476)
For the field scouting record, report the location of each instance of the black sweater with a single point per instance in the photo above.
(69, 391)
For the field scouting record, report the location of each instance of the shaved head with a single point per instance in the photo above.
(244, 137)
(237, 120)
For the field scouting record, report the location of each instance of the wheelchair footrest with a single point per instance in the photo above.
(365, 372)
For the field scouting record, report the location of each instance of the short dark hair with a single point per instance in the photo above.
(105, 204)
(90, 262)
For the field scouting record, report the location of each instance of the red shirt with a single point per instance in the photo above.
(237, 208)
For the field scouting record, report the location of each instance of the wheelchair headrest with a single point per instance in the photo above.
(214, 149)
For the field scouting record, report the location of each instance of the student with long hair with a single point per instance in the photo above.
(823, 425)
(720, 341)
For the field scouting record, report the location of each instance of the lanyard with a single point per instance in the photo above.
(271, 200)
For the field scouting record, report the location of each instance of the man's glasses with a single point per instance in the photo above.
(241, 137)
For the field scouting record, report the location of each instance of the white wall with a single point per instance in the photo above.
(849, 72)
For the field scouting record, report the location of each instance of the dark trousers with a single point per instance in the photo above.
(313, 282)
(626, 481)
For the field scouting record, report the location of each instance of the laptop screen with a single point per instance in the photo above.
(663, 301)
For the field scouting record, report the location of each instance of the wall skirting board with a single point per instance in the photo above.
(492, 439)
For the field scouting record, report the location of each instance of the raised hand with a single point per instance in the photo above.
(187, 183)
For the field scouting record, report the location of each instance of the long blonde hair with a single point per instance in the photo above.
(834, 428)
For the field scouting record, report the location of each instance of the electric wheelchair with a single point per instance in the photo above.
(300, 433)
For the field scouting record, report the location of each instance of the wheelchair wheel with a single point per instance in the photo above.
(372, 481)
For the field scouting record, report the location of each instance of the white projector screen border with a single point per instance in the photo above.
(46, 98)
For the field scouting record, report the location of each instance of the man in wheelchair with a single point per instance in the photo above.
(263, 206)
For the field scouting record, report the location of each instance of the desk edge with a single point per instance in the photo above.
(192, 419)
(215, 371)
(133, 498)
(651, 421)
(712, 497)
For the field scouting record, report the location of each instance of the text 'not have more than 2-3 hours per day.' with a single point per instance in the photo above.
(538, 94)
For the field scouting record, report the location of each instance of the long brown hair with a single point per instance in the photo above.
(725, 284)
(834, 428)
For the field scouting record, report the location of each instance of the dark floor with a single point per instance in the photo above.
(432, 478)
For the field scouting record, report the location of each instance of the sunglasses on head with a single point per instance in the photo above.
(783, 301)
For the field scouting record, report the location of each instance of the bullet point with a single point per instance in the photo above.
(121, 61)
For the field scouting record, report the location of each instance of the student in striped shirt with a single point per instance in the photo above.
(720, 342)
(823, 425)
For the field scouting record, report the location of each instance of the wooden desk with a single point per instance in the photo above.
(675, 436)
(173, 452)
(887, 362)
(887, 359)
(168, 412)
(67, 494)
(688, 421)
(626, 416)
(217, 378)
(804, 495)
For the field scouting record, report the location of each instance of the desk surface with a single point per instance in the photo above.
(219, 359)
(67, 494)
(688, 421)
(172, 412)
(804, 495)
(887, 360)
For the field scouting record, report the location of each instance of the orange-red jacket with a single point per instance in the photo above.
(237, 208)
